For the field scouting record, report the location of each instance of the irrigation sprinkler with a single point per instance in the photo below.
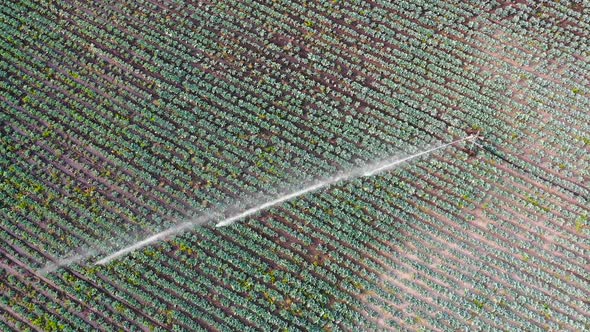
(367, 170)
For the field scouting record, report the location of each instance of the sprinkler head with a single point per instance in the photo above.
(475, 140)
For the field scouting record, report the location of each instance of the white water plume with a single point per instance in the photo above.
(368, 170)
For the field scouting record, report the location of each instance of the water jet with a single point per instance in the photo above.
(368, 170)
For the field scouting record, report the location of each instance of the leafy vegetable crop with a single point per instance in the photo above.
(120, 119)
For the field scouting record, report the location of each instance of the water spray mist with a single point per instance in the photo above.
(368, 170)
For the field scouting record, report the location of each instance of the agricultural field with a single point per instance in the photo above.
(121, 119)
